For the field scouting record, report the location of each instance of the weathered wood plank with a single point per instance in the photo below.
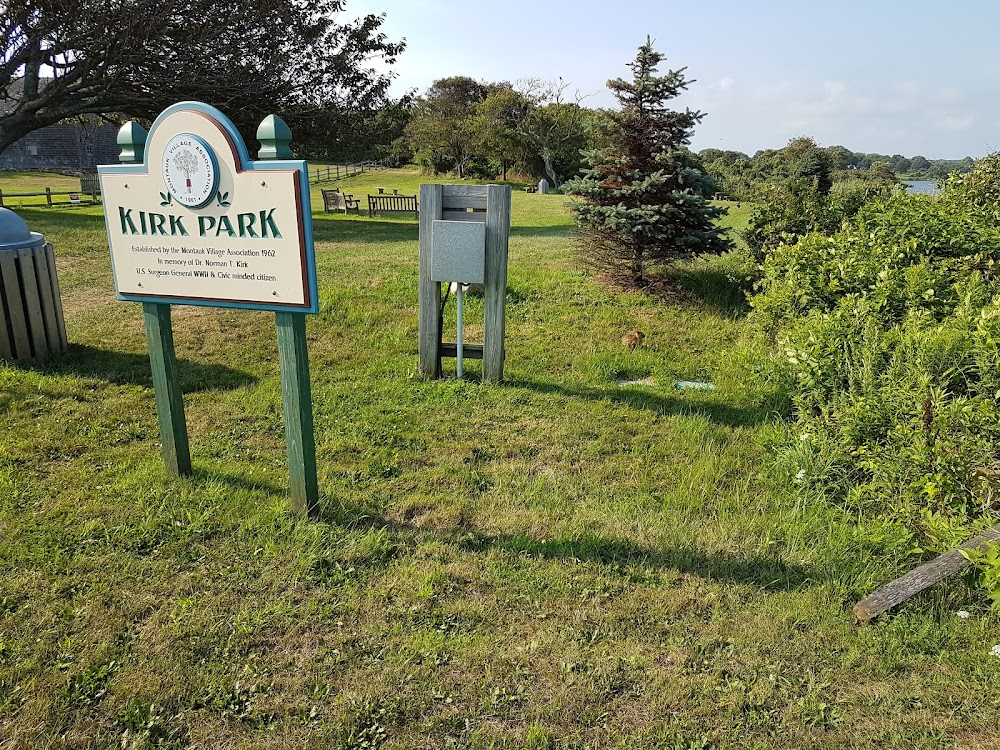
(56, 296)
(167, 388)
(494, 323)
(293, 353)
(32, 302)
(918, 579)
(470, 190)
(464, 201)
(463, 215)
(15, 306)
(48, 304)
(469, 351)
(430, 291)
(464, 196)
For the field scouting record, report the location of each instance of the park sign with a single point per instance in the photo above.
(192, 221)
(196, 222)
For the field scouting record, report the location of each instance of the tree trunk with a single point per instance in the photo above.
(550, 169)
(503, 163)
(637, 267)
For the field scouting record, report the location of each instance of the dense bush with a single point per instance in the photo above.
(786, 210)
(888, 332)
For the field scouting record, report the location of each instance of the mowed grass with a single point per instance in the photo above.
(36, 182)
(554, 562)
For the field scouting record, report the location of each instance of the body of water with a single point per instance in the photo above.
(926, 187)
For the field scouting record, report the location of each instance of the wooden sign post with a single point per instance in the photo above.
(192, 220)
(479, 203)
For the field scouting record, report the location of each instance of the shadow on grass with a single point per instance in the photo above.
(239, 482)
(128, 368)
(60, 217)
(715, 287)
(768, 574)
(363, 230)
(718, 413)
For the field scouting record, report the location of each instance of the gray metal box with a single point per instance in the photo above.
(458, 251)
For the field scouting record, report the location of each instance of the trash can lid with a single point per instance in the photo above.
(14, 233)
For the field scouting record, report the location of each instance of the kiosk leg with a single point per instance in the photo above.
(458, 304)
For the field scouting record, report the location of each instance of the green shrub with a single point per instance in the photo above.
(888, 331)
(786, 211)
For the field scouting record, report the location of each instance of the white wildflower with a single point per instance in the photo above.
(804, 436)
(995, 651)
(962, 614)
(800, 475)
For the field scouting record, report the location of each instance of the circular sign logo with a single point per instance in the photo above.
(190, 171)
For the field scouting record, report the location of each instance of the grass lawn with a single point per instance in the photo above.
(555, 562)
(36, 182)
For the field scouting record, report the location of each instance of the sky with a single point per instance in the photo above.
(881, 76)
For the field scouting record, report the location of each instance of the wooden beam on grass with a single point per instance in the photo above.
(918, 579)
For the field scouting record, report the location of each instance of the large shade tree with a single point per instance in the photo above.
(643, 198)
(443, 121)
(65, 58)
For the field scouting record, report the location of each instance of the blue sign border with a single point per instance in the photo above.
(245, 164)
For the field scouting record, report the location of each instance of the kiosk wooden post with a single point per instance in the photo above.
(160, 338)
(429, 323)
(482, 203)
(293, 354)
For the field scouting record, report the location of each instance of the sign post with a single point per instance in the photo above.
(160, 338)
(192, 220)
(293, 355)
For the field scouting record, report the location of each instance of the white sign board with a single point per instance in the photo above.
(199, 223)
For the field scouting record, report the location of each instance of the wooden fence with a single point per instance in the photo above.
(73, 197)
(334, 172)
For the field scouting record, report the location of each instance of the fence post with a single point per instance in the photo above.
(48, 196)
(1, 198)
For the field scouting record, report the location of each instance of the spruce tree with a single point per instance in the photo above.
(643, 197)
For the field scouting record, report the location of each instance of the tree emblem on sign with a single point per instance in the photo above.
(187, 162)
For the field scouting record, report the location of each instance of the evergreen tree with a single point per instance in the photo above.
(643, 199)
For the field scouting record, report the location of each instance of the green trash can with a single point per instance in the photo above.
(31, 317)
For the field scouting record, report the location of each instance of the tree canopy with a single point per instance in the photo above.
(65, 58)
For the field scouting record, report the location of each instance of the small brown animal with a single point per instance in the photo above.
(631, 340)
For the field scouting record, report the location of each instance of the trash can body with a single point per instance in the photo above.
(31, 317)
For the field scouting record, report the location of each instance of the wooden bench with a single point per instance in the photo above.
(334, 200)
(381, 191)
(387, 203)
(531, 189)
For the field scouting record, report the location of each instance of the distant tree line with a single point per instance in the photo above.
(484, 129)
(740, 176)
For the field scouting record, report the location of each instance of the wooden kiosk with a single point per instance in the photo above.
(441, 206)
